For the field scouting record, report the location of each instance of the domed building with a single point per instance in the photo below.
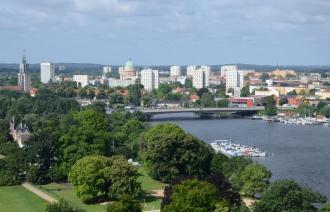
(128, 71)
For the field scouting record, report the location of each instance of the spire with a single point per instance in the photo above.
(24, 56)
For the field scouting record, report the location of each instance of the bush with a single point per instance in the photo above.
(61, 206)
(125, 204)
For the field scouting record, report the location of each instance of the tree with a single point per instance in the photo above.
(11, 164)
(169, 152)
(61, 206)
(264, 77)
(326, 111)
(325, 208)
(192, 195)
(324, 75)
(292, 93)
(305, 109)
(245, 92)
(207, 100)
(188, 83)
(125, 204)
(287, 195)
(270, 108)
(94, 177)
(254, 179)
(134, 94)
(83, 133)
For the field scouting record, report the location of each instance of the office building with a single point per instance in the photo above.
(47, 72)
(150, 79)
(81, 80)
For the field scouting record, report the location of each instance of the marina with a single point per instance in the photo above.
(295, 120)
(230, 149)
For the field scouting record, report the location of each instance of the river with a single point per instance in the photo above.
(296, 152)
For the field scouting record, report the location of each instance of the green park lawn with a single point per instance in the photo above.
(65, 191)
(148, 184)
(17, 198)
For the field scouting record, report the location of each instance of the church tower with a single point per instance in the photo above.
(24, 81)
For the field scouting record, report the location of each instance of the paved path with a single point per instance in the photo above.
(38, 192)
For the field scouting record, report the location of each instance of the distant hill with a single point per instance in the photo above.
(89, 68)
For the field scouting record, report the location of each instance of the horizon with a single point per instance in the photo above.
(172, 32)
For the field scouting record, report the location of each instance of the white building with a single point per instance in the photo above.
(113, 82)
(175, 71)
(190, 70)
(81, 80)
(201, 77)
(207, 73)
(181, 79)
(224, 69)
(150, 79)
(107, 69)
(234, 80)
(47, 72)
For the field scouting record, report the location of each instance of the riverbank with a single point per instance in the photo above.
(297, 152)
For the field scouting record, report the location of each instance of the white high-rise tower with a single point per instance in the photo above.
(47, 72)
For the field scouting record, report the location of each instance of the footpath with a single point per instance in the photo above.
(38, 192)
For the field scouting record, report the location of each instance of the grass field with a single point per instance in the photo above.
(148, 184)
(17, 198)
(65, 191)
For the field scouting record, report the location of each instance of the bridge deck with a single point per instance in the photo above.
(199, 110)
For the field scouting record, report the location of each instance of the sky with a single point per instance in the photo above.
(165, 32)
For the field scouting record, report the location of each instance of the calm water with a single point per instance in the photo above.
(297, 152)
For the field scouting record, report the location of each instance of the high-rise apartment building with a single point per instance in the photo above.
(150, 79)
(47, 72)
(107, 69)
(190, 70)
(24, 80)
(81, 80)
(201, 77)
(234, 80)
(224, 69)
(175, 71)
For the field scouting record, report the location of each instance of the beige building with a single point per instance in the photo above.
(323, 94)
(128, 72)
(284, 73)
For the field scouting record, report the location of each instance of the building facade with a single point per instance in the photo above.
(128, 72)
(150, 79)
(175, 71)
(107, 69)
(234, 80)
(190, 70)
(224, 70)
(201, 77)
(24, 79)
(47, 72)
(81, 80)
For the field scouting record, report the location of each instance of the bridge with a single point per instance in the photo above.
(154, 111)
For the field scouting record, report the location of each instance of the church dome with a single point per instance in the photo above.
(129, 65)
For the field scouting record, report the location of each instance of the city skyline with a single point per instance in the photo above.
(159, 33)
